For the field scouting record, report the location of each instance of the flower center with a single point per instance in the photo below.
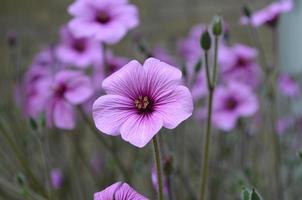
(143, 104)
(79, 45)
(103, 17)
(241, 62)
(60, 90)
(231, 104)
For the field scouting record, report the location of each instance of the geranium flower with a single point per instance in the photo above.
(239, 63)
(141, 100)
(57, 178)
(78, 51)
(288, 86)
(68, 88)
(232, 102)
(269, 15)
(106, 20)
(118, 191)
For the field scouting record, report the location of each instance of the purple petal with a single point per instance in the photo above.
(176, 107)
(110, 112)
(140, 129)
(63, 115)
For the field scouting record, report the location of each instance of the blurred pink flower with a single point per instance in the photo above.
(57, 178)
(239, 63)
(118, 191)
(288, 86)
(78, 51)
(269, 15)
(189, 47)
(107, 20)
(68, 88)
(162, 54)
(141, 100)
(232, 102)
(34, 97)
(284, 123)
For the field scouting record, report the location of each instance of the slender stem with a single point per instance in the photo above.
(107, 146)
(207, 138)
(157, 157)
(215, 74)
(206, 152)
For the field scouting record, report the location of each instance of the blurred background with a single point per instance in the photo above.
(36, 23)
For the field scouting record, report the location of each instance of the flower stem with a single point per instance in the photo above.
(157, 157)
(211, 81)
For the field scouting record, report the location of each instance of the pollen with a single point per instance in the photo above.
(142, 103)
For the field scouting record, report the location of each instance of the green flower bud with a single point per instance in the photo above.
(205, 40)
(217, 28)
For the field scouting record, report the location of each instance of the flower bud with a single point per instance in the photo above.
(217, 28)
(205, 41)
(247, 11)
(198, 66)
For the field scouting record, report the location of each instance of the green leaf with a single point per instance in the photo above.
(33, 124)
(245, 194)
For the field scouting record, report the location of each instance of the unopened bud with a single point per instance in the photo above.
(205, 40)
(217, 26)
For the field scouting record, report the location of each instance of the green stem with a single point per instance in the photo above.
(215, 74)
(157, 157)
(206, 152)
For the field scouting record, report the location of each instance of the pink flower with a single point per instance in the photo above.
(78, 51)
(284, 123)
(163, 55)
(288, 86)
(106, 20)
(118, 191)
(34, 97)
(141, 100)
(269, 15)
(239, 63)
(232, 102)
(189, 47)
(68, 89)
(57, 178)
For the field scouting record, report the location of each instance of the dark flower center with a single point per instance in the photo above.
(79, 45)
(111, 68)
(103, 17)
(143, 104)
(273, 22)
(231, 104)
(60, 90)
(241, 62)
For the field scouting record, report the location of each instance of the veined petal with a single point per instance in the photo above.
(140, 129)
(127, 81)
(175, 107)
(63, 115)
(110, 112)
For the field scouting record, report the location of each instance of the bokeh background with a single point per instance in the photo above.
(36, 24)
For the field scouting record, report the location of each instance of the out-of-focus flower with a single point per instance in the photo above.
(284, 123)
(119, 191)
(78, 51)
(239, 63)
(189, 47)
(269, 15)
(57, 178)
(288, 86)
(141, 100)
(68, 88)
(232, 102)
(108, 20)
(34, 97)
(163, 55)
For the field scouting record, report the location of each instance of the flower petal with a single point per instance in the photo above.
(140, 129)
(110, 112)
(63, 115)
(175, 107)
(126, 81)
